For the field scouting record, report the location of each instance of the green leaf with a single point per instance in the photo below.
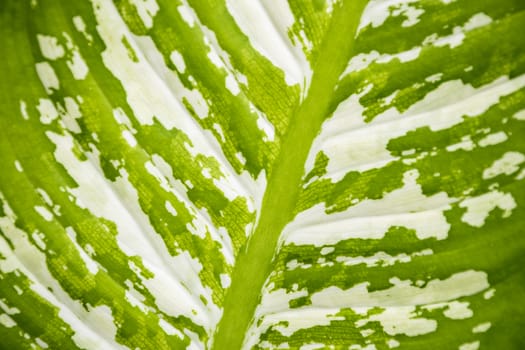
(262, 174)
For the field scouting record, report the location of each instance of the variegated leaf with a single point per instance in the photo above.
(208, 174)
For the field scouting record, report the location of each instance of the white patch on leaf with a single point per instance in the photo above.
(458, 33)
(23, 110)
(187, 14)
(80, 26)
(403, 292)
(253, 20)
(264, 125)
(351, 144)
(225, 280)
(363, 60)
(371, 219)
(381, 258)
(41, 343)
(77, 65)
(482, 327)
(170, 208)
(465, 144)
(392, 343)
(130, 139)
(375, 13)
(146, 93)
(401, 320)
(72, 108)
(177, 59)
(519, 115)
(18, 166)
(434, 78)
(146, 9)
(90, 264)
(411, 13)
(378, 11)
(47, 110)
(232, 85)
(179, 296)
(493, 139)
(47, 77)
(489, 294)
(283, 19)
(44, 212)
(7, 321)
(470, 346)
(50, 47)
(218, 129)
(103, 317)
(479, 208)
(169, 329)
(506, 165)
(457, 310)
(121, 118)
(313, 346)
(327, 250)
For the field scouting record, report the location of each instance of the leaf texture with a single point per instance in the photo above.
(227, 174)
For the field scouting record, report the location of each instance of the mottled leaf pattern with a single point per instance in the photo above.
(226, 174)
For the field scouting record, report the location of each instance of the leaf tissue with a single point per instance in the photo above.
(235, 174)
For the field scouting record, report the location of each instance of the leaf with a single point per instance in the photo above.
(226, 174)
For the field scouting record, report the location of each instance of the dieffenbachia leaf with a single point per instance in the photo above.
(218, 174)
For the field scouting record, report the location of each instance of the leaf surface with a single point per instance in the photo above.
(240, 174)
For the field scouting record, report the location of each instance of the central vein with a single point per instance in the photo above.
(254, 263)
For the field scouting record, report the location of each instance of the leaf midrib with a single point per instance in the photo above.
(254, 263)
